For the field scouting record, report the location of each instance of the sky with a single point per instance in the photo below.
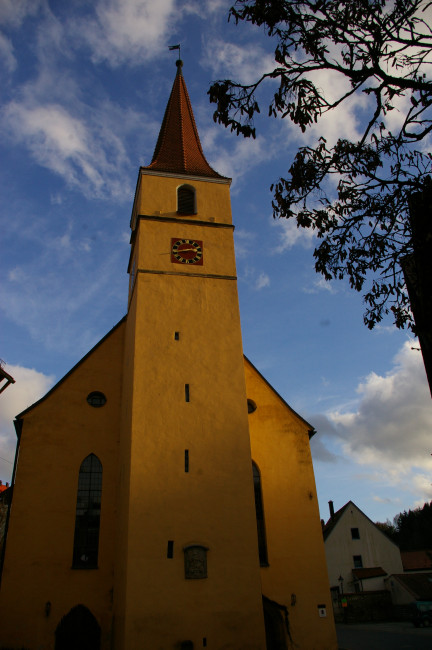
(84, 85)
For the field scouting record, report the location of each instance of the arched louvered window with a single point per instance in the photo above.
(88, 508)
(186, 200)
(259, 509)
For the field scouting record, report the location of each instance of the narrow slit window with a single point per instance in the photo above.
(170, 549)
(176, 336)
(259, 510)
(186, 460)
(187, 393)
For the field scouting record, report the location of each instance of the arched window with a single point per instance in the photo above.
(88, 507)
(186, 199)
(259, 509)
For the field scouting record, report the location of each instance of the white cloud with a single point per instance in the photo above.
(13, 12)
(30, 385)
(291, 235)
(388, 430)
(239, 157)
(320, 284)
(262, 281)
(244, 240)
(7, 53)
(244, 63)
(130, 31)
(87, 155)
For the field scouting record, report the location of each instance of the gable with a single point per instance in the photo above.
(268, 400)
(100, 367)
(349, 516)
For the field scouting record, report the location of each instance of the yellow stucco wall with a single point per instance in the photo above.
(280, 448)
(157, 195)
(58, 433)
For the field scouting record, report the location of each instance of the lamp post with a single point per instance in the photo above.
(341, 581)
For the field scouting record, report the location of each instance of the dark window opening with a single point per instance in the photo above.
(187, 393)
(96, 398)
(358, 562)
(259, 509)
(204, 642)
(355, 533)
(170, 549)
(186, 460)
(87, 519)
(251, 406)
(176, 336)
(186, 200)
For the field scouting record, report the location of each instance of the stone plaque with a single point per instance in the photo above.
(195, 562)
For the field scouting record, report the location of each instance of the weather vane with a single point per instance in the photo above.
(175, 47)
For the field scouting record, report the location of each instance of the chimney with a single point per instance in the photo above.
(331, 509)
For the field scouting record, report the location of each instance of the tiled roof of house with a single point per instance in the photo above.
(418, 584)
(369, 572)
(417, 560)
(178, 148)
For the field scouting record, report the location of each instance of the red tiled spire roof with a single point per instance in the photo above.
(178, 149)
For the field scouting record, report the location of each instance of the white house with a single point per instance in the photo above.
(359, 555)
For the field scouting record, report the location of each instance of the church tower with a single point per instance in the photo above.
(188, 549)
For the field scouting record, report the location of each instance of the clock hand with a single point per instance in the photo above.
(186, 250)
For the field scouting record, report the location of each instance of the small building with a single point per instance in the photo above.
(407, 588)
(359, 555)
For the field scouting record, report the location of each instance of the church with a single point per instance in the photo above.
(163, 492)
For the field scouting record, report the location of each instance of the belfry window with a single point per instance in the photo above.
(259, 509)
(87, 519)
(186, 200)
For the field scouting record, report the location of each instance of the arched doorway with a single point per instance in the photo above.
(78, 630)
(276, 625)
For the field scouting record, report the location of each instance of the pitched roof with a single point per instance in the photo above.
(418, 584)
(417, 560)
(178, 148)
(331, 523)
(369, 572)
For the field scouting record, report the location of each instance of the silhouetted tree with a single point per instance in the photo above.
(412, 529)
(380, 48)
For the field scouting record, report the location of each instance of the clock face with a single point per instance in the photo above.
(187, 251)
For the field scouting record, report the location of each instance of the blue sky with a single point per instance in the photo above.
(84, 87)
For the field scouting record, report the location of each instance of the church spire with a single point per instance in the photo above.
(178, 148)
